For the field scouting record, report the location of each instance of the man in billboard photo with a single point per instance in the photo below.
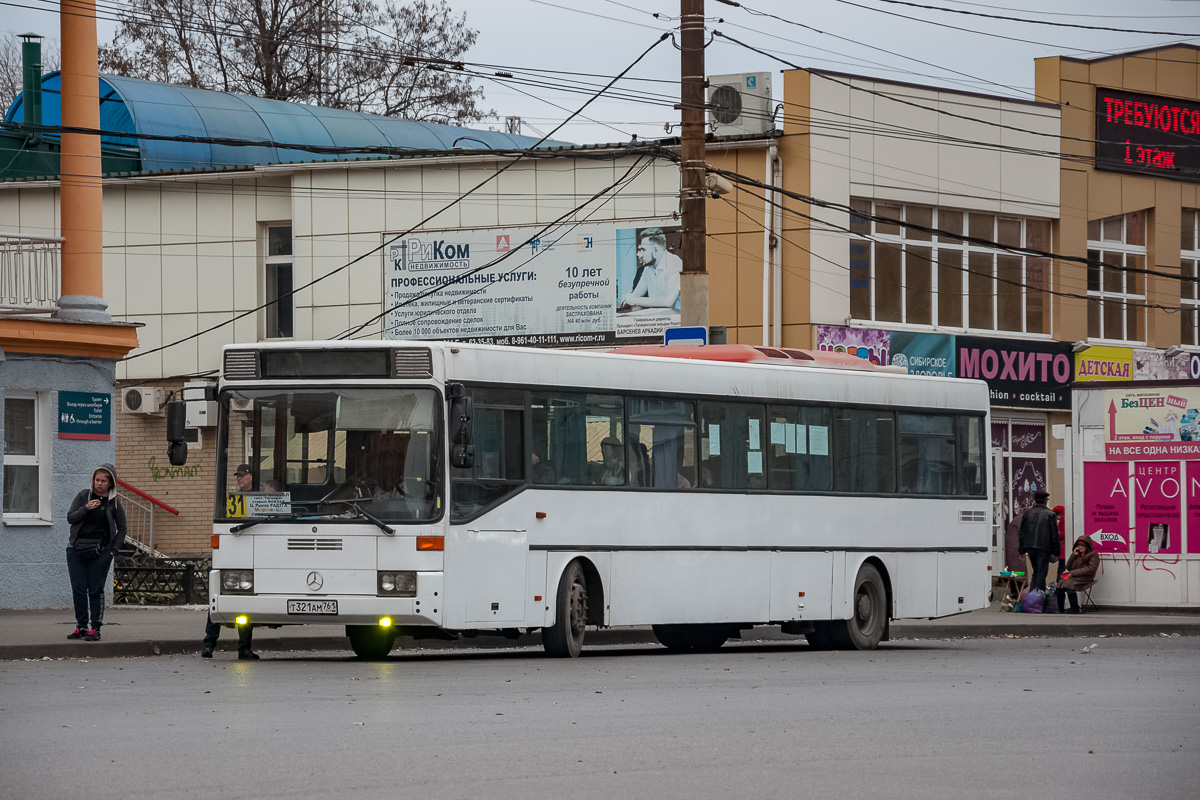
(657, 283)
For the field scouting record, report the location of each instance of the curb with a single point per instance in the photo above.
(626, 636)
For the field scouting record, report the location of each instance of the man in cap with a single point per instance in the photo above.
(1038, 538)
(244, 477)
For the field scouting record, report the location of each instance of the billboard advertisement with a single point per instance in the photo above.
(1150, 423)
(591, 285)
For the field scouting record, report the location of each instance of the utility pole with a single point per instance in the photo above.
(693, 287)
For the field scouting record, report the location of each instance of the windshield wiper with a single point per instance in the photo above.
(354, 504)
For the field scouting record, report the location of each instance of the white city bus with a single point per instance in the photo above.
(444, 489)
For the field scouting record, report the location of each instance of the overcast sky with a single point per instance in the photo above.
(604, 36)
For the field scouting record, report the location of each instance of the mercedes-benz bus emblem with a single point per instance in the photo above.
(315, 581)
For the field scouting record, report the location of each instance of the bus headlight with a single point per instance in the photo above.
(237, 581)
(398, 584)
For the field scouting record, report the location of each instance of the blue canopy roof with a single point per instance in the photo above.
(146, 107)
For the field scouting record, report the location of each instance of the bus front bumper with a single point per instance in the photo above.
(299, 608)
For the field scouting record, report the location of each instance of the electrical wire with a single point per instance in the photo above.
(415, 227)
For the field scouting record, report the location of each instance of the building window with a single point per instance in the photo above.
(277, 273)
(26, 458)
(1116, 282)
(1189, 286)
(901, 273)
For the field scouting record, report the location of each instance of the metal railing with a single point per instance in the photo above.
(139, 516)
(30, 279)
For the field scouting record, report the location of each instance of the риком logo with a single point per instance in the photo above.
(416, 255)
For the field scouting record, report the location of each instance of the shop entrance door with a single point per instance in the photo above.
(1022, 443)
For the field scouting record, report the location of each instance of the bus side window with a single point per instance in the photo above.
(499, 468)
(864, 450)
(927, 458)
(662, 443)
(798, 449)
(732, 445)
(971, 454)
(569, 434)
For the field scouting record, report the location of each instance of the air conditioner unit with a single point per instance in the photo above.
(241, 404)
(142, 400)
(740, 104)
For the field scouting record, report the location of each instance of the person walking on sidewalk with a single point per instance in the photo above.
(1038, 538)
(97, 523)
(1079, 573)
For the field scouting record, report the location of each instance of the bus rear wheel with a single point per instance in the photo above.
(692, 638)
(864, 629)
(371, 642)
(564, 639)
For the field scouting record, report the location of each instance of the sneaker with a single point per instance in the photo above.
(206, 652)
(92, 636)
(77, 634)
(248, 655)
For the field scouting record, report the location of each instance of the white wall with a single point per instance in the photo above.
(867, 145)
(183, 253)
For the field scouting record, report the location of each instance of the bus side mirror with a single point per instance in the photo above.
(176, 425)
(462, 451)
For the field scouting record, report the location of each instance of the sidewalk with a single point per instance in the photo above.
(173, 630)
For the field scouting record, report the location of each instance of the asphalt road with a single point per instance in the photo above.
(983, 718)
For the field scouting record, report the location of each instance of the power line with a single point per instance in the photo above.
(1175, 34)
(415, 227)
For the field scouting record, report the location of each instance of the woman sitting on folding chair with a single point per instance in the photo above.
(1079, 574)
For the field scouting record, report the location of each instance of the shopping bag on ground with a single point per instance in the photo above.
(1033, 602)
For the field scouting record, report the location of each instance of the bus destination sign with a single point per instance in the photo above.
(1147, 135)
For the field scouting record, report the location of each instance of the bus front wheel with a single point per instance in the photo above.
(692, 638)
(564, 639)
(371, 642)
(864, 629)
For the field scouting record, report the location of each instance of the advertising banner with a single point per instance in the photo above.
(1019, 373)
(1106, 506)
(924, 353)
(591, 285)
(1162, 424)
(873, 345)
(1193, 506)
(1104, 364)
(1156, 490)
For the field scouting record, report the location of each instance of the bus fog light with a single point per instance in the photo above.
(398, 584)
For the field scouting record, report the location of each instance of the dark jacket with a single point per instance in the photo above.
(116, 514)
(1039, 531)
(1082, 568)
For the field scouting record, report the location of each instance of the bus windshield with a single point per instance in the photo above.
(331, 452)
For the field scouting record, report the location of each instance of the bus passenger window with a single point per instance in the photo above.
(971, 455)
(732, 445)
(661, 450)
(798, 451)
(864, 449)
(926, 454)
(569, 432)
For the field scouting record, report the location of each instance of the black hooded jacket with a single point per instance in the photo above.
(115, 512)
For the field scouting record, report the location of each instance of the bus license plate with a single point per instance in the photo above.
(312, 606)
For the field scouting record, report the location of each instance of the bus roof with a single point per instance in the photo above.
(746, 354)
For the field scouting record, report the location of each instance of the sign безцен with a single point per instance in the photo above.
(1152, 424)
(1019, 373)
